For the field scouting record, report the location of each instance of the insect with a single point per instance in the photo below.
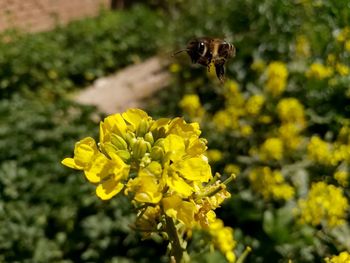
(207, 50)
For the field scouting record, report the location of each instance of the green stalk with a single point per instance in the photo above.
(177, 251)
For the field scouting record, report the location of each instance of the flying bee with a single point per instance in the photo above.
(207, 50)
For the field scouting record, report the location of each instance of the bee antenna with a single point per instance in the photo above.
(177, 52)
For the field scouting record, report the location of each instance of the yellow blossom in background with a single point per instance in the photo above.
(302, 47)
(214, 155)
(270, 184)
(319, 151)
(254, 104)
(223, 239)
(232, 169)
(246, 130)
(342, 69)
(290, 110)
(331, 59)
(265, 119)
(258, 65)
(233, 95)
(191, 104)
(347, 45)
(319, 71)
(277, 75)
(271, 149)
(343, 34)
(343, 257)
(227, 119)
(324, 204)
(289, 134)
(342, 177)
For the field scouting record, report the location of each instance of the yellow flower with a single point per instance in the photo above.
(224, 120)
(343, 35)
(342, 177)
(246, 130)
(319, 71)
(233, 95)
(258, 65)
(343, 257)
(342, 69)
(289, 133)
(277, 75)
(347, 45)
(324, 204)
(231, 169)
(290, 110)
(107, 173)
(223, 239)
(191, 104)
(254, 104)
(270, 184)
(302, 47)
(271, 149)
(177, 208)
(214, 155)
(319, 151)
(160, 163)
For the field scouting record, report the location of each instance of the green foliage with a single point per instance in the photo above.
(268, 31)
(47, 212)
(67, 57)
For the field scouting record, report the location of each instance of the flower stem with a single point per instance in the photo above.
(177, 251)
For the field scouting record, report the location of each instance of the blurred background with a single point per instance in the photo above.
(280, 122)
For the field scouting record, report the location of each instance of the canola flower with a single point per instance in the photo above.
(191, 105)
(324, 205)
(270, 184)
(223, 239)
(343, 257)
(342, 177)
(302, 47)
(271, 149)
(319, 71)
(160, 165)
(277, 74)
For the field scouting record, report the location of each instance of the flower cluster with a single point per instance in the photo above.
(343, 257)
(160, 164)
(191, 104)
(277, 74)
(325, 204)
(223, 239)
(319, 71)
(270, 184)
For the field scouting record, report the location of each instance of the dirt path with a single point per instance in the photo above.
(127, 88)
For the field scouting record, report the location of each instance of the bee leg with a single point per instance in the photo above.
(220, 71)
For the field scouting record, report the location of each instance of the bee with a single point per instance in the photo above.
(207, 50)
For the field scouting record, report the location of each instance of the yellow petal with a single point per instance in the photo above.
(174, 145)
(112, 124)
(179, 185)
(194, 169)
(69, 162)
(108, 189)
(134, 117)
(84, 151)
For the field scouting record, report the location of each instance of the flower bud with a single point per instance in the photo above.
(142, 129)
(124, 155)
(149, 137)
(157, 153)
(159, 142)
(139, 148)
(119, 142)
(130, 138)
